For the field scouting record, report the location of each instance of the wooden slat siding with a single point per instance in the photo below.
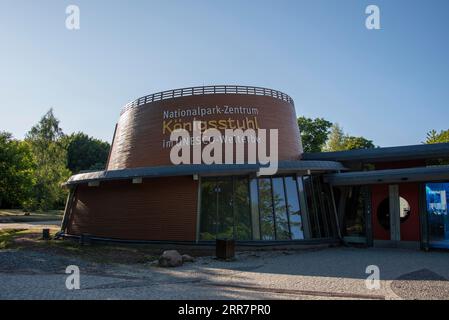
(138, 139)
(157, 209)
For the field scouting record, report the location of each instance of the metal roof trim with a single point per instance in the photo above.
(420, 151)
(200, 169)
(435, 173)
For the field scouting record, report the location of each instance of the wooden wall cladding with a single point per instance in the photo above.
(138, 140)
(157, 209)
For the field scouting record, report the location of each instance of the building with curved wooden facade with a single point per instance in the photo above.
(143, 196)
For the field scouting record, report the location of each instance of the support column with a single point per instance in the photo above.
(423, 217)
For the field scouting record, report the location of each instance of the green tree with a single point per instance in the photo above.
(437, 137)
(85, 153)
(51, 161)
(314, 133)
(335, 140)
(339, 141)
(352, 143)
(16, 171)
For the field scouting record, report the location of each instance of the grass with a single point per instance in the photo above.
(8, 237)
(17, 215)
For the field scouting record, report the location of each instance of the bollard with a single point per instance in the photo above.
(225, 249)
(46, 234)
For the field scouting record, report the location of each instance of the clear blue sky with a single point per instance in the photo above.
(390, 85)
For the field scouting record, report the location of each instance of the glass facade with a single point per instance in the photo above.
(320, 207)
(284, 208)
(267, 227)
(437, 196)
(266, 209)
(293, 208)
(354, 218)
(225, 209)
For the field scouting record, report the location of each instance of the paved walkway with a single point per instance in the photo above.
(336, 273)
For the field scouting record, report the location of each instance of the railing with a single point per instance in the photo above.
(193, 91)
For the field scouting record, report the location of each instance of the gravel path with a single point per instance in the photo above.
(335, 273)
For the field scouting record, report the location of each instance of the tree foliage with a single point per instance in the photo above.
(314, 133)
(32, 171)
(51, 160)
(437, 137)
(85, 153)
(352, 143)
(16, 171)
(339, 141)
(335, 140)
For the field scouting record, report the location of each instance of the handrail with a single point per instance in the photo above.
(204, 90)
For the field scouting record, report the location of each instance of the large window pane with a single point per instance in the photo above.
(354, 219)
(250, 209)
(322, 212)
(266, 210)
(225, 228)
(312, 207)
(242, 210)
(255, 209)
(208, 220)
(437, 195)
(280, 209)
(294, 210)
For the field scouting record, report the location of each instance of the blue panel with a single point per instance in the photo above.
(437, 199)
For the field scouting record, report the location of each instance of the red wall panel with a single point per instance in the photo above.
(379, 192)
(410, 229)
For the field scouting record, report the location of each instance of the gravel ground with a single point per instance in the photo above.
(334, 273)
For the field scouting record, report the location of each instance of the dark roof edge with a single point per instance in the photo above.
(201, 169)
(419, 174)
(412, 152)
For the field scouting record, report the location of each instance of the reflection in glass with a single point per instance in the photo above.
(354, 219)
(294, 210)
(225, 209)
(250, 209)
(208, 223)
(255, 209)
(266, 210)
(225, 216)
(312, 207)
(280, 210)
(242, 207)
(323, 212)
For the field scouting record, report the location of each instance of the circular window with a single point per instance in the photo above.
(404, 209)
(383, 212)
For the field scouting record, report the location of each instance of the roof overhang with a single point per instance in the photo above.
(414, 152)
(284, 167)
(421, 174)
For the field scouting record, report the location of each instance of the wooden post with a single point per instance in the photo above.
(46, 234)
